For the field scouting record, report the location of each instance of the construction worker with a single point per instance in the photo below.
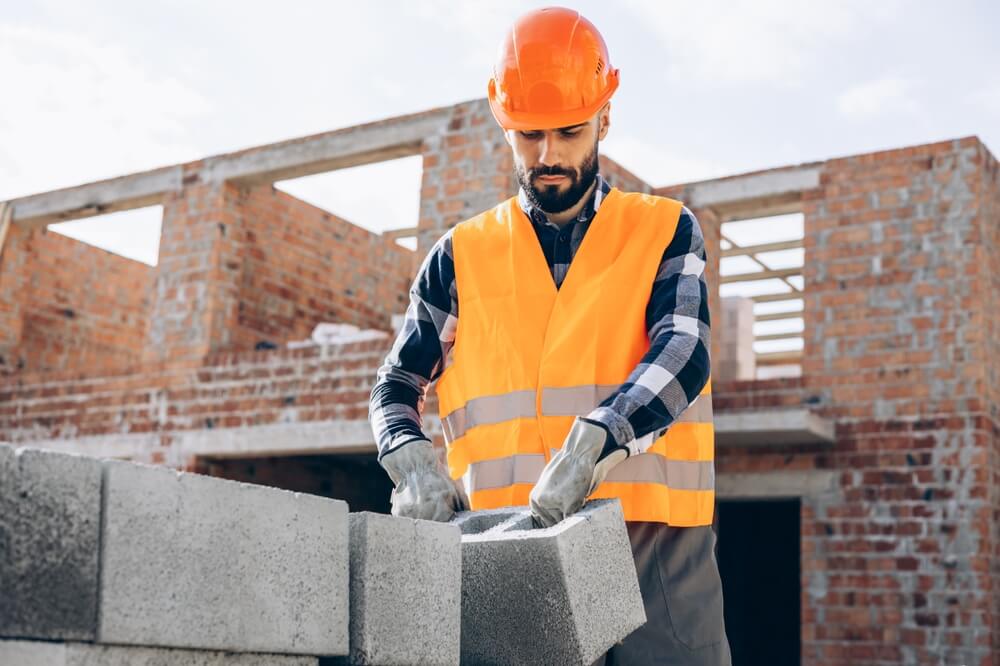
(581, 366)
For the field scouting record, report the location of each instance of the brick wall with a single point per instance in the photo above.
(13, 273)
(195, 295)
(231, 390)
(302, 265)
(466, 170)
(989, 225)
(897, 561)
(78, 307)
(239, 266)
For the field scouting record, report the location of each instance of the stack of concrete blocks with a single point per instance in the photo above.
(133, 564)
(558, 595)
(737, 359)
(108, 563)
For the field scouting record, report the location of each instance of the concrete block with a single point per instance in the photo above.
(558, 595)
(50, 507)
(406, 591)
(194, 561)
(31, 653)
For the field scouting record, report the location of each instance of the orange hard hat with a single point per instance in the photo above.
(552, 71)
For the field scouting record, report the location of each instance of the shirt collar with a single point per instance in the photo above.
(538, 216)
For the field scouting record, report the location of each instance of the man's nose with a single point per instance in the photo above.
(549, 155)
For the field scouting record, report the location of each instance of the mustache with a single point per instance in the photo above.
(552, 171)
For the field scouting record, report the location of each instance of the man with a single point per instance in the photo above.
(580, 368)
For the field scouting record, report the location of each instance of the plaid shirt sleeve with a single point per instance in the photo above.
(673, 372)
(418, 353)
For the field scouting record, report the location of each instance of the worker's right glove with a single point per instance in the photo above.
(423, 487)
(574, 472)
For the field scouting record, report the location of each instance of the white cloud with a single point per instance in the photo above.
(76, 106)
(987, 97)
(887, 95)
(753, 41)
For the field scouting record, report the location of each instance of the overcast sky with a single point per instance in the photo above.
(99, 89)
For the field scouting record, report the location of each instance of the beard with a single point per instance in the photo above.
(548, 197)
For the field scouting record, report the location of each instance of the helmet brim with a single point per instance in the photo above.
(544, 121)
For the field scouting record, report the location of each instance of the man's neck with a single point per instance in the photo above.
(571, 214)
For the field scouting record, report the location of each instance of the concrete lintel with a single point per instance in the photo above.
(328, 151)
(774, 485)
(339, 149)
(104, 196)
(124, 446)
(758, 194)
(767, 427)
(276, 439)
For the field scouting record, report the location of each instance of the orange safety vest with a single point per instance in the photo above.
(529, 358)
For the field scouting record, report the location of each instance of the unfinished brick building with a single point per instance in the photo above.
(859, 494)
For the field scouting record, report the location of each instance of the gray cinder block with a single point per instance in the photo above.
(50, 506)
(31, 653)
(194, 561)
(406, 591)
(558, 595)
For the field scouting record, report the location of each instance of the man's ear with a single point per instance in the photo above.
(603, 121)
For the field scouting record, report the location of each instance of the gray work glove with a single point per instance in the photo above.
(423, 487)
(586, 457)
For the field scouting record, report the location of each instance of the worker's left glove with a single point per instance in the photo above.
(587, 455)
(422, 486)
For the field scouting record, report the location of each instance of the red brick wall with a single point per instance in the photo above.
(989, 225)
(195, 295)
(244, 265)
(467, 170)
(302, 265)
(898, 562)
(13, 273)
(80, 308)
(231, 390)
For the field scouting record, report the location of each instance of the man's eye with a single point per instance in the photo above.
(572, 132)
(531, 135)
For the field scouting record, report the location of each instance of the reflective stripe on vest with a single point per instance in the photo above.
(641, 468)
(565, 401)
(529, 358)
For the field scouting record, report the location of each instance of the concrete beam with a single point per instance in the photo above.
(192, 561)
(273, 439)
(125, 446)
(31, 653)
(277, 439)
(328, 151)
(104, 196)
(406, 591)
(339, 149)
(774, 485)
(756, 194)
(558, 595)
(768, 427)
